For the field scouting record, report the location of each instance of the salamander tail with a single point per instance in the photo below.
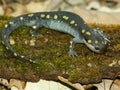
(5, 41)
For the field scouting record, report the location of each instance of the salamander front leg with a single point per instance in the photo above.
(72, 44)
(71, 49)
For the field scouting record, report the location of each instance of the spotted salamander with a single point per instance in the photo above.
(61, 21)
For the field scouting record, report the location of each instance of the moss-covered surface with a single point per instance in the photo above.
(50, 52)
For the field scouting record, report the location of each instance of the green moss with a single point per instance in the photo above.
(5, 18)
(50, 52)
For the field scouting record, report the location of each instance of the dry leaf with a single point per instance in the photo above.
(91, 16)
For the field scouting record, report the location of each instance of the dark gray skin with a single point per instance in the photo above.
(61, 21)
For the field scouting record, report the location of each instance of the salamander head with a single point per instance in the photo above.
(96, 40)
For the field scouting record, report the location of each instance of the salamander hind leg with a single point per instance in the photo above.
(72, 52)
(34, 31)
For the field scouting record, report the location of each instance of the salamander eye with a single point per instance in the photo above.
(97, 48)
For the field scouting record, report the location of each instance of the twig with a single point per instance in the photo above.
(76, 86)
(68, 3)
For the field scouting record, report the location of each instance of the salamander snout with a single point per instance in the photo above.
(103, 41)
(101, 48)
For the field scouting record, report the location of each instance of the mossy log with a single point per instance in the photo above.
(50, 51)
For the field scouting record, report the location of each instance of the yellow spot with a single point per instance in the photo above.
(65, 17)
(42, 15)
(55, 16)
(6, 25)
(89, 41)
(4, 36)
(34, 27)
(88, 33)
(2, 42)
(70, 46)
(32, 35)
(31, 60)
(22, 56)
(30, 15)
(15, 54)
(7, 48)
(83, 31)
(21, 18)
(72, 22)
(48, 16)
(96, 41)
(75, 24)
(71, 42)
(11, 22)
